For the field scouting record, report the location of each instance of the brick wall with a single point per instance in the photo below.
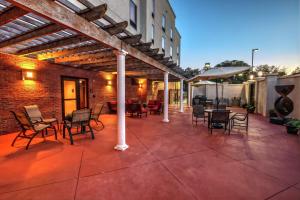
(45, 91)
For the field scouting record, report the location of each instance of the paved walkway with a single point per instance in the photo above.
(164, 161)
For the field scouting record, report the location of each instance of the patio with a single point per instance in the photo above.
(165, 161)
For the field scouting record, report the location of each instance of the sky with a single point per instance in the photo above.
(218, 30)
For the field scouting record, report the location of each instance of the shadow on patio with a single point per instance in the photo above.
(164, 161)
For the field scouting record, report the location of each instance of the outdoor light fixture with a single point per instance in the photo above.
(251, 76)
(109, 83)
(253, 51)
(140, 86)
(260, 73)
(28, 74)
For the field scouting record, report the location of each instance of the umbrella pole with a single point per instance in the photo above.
(217, 94)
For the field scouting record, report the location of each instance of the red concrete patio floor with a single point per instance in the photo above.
(164, 161)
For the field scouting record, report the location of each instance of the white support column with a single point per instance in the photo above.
(189, 93)
(166, 97)
(181, 95)
(121, 146)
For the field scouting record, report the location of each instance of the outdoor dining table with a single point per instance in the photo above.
(209, 112)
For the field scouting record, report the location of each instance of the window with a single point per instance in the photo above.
(163, 41)
(164, 22)
(133, 14)
(171, 51)
(178, 50)
(152, 33)
(153, 8)
(171, 33)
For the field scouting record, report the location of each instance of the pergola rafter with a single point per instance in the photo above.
(11, 14)
(90, 15)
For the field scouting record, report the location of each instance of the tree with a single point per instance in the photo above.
(188, 72)
(296, 71)
(232, 63)
(266, 69)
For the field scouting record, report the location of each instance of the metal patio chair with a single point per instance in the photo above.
(26, 125)
(96, 114)
(240, 120)
(35, 116)
(220, 117)
(80, 119)
(198, 112)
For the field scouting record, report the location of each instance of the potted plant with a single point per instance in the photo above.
(250, 108)
(293, 126)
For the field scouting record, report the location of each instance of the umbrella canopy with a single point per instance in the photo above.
(219, 72)
(204, 83)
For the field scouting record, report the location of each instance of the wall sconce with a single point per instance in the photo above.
(28, 74)
(109, 83)
(140, 85)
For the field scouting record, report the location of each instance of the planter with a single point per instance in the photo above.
(292, 130)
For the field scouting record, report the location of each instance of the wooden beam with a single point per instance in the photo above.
(11, 14)
(94, 60)
(91, 15)
(69, 52)
(81, 57)
(61, 15)
(51, 45)
(133, 39)
(152, 52)
(114, 29)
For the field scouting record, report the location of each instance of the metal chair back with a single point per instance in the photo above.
(33, 113)
(22, 120)
(81, 116)
(198, 110)
(220, 116)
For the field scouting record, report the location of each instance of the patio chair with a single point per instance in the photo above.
(154, 106)
(80, 118)
(198, 112)
(96, 112)
(220, 117)
(26, 125)
(138, 109)
(35, 116)
(240, 120)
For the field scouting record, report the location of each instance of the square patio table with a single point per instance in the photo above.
(209, 112)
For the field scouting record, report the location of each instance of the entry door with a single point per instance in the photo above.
(74, 95)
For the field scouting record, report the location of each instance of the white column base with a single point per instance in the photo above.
(166, 121)
(121, 147)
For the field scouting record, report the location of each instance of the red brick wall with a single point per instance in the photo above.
(45, 91)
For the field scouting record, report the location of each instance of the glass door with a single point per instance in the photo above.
(74, 95)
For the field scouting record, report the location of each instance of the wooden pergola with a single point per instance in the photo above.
(83, 38)
(60, 32)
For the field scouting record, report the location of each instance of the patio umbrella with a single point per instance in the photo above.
(219, 72)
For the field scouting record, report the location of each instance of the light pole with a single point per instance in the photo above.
(253, 50)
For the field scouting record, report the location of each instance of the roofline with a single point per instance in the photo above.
(171, 8)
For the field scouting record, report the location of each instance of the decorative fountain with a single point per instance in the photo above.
(283, 105)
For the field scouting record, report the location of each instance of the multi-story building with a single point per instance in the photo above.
(154, 19)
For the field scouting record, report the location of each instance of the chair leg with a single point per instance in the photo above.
(70, 135)
(19, 134)
(64, 131)
(92, 132)
(27, 146)
(55, 132)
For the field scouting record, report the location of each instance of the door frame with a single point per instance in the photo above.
(76, 79)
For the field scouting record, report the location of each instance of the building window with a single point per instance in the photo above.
(164, 22)
(171, 33)
(152, 33)
(133, 14)
(163, 42)
(178, 50)
(153, 8)
(171, 51)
